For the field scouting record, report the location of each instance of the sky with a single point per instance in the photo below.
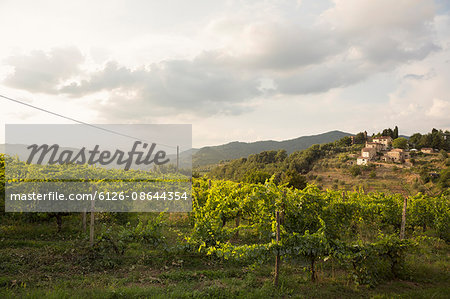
(235, 70)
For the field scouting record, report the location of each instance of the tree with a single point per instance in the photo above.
(355, 170)
(414, 140)
(360, 138)
(281, 156)
(395, 132)
(345, 141)
(444, 178)
(400, 143)
(388, 132)
(294, 179)
(256, 177)
(444, 155)
(436, 139)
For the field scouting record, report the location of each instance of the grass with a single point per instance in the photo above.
(38, 262)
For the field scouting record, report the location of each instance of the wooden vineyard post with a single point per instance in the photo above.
(178, 157)
(402, 228)
(277, 258)
(84, 220)
(91, 227)
(238, 220)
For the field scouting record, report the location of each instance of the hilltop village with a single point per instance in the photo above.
(380, 149)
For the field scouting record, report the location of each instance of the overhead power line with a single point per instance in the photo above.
(80, 122)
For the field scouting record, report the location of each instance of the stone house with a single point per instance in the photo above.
(369, 152)
(397, 155)
(377, 146)
(385, 141)
(427, 150)
(362, 161)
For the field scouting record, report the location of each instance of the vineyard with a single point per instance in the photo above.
(240, 240)
(358, 230)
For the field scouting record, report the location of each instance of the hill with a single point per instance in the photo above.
(337, 172)
(234, 150)
(333, 166)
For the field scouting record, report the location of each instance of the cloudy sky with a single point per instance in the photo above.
(235, 70)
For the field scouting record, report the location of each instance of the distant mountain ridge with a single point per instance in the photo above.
(234, 150)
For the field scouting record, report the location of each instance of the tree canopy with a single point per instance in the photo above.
(400, 143)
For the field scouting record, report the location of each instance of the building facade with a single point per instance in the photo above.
(385, 141)
(427, 150)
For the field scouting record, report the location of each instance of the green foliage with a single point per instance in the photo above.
(236, 150)
(256, 177)
(360, 138)
(444, 154)
(400, 143)
(444, 179)
(314, 225)
(277, 163)
(355, 170)
(388, 132)
(293, 179)
(115, 238)
(112, 240)
(309, 246)
(395, 133)
(149, 232)
(377, 261)
(436, 139)
(346, 141)
(430, 212)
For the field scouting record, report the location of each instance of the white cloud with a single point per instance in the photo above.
(440, 109)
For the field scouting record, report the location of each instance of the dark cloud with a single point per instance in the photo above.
(414, 76)
(318, 79)
(390, 52)
(177, 85)
(42, 71)
(111, 77)
(282, 47)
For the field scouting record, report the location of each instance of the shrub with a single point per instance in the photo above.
(443, 154)
(355, 170)
(374, 262)
(256, 177)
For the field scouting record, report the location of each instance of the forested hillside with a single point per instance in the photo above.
(332, 165)
(234, 150)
